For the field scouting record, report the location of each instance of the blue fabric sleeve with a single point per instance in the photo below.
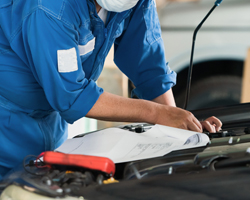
(140, 54)
(71, 94)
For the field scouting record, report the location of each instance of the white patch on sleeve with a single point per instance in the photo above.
(67, 60)
(84, 49)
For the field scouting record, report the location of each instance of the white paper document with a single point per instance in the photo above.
(123, 146)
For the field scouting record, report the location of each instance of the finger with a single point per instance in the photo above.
(217, 128)
(210, 128)
(193, 127)
(216, 121)
(197, 122)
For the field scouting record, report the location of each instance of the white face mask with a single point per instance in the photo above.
(117, 5)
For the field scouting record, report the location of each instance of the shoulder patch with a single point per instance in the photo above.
(67, 60)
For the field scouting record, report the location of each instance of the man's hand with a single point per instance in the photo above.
(178, 118)
(212, 124)
(184, 119)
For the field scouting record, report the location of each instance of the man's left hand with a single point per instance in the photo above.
(211, 124)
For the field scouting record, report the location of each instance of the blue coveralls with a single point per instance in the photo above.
(51, 54)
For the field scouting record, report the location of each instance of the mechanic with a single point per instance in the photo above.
(51, 54)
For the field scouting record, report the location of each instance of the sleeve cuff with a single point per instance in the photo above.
(83, 103)
(155, 87)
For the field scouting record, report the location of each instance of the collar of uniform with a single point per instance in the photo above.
(120, 16)
(92, 8)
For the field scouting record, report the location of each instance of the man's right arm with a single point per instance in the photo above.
(111, 107)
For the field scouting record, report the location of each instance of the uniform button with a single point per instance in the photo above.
(105, 32)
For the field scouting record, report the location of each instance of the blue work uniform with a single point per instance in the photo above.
(51, 54)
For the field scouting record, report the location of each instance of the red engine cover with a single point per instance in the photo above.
(90, 162)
